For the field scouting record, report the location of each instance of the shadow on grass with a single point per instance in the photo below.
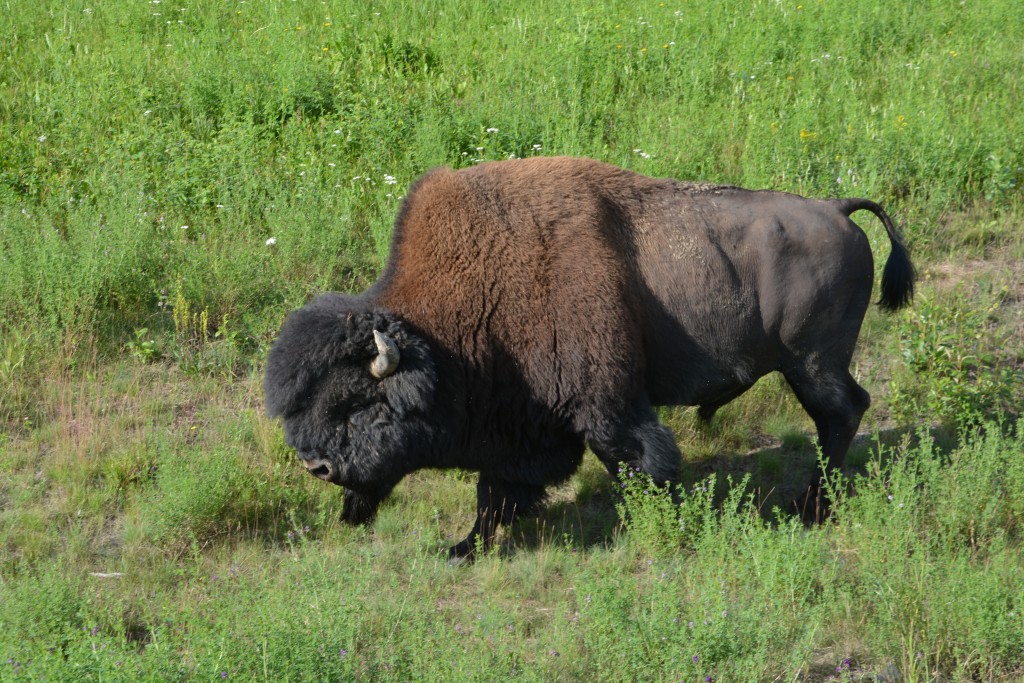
(779, 477)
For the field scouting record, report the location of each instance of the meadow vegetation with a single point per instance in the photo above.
(176, 175)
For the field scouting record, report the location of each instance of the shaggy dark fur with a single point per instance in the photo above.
(543, 304)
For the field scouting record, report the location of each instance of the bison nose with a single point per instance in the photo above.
(321, 469)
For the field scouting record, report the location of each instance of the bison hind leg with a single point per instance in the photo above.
(706, 411)
(836, 403)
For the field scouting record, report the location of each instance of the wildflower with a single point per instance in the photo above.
(807, 135)
(223, 675)
(696, 659)
(389, 179)
(492, 130)
(42, 138)
(536, 148)
(184, 227)
(343, 653)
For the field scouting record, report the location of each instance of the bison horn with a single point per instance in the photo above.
(387, 358)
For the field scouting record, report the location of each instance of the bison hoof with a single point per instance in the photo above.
(461, 553)
(814, 506)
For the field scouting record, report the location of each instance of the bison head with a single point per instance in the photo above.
(355, 388)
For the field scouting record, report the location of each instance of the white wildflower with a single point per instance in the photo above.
(492, 130)
(271, 241)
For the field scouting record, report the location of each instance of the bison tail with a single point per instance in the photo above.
(898, 274)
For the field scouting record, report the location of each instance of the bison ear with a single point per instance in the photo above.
(387, 358)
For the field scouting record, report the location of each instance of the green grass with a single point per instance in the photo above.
(176, 176)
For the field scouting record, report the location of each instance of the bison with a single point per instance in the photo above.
(530, 308)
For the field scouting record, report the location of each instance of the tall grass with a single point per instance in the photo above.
(123, 123)
(175, 176)
(920, 571)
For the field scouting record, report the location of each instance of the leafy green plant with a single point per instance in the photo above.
(661, 520)
(954, 356)
(141, 348)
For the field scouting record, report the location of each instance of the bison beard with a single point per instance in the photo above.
(532, 307)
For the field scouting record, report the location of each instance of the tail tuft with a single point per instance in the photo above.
(898, 273)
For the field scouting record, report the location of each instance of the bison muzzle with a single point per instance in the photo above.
(531, 307)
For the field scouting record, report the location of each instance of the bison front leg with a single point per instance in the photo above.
(497, 502)
(638, 440)
(360, 507)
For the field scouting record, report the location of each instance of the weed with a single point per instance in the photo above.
(141, 348)
(957, 362)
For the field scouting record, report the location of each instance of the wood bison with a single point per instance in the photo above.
(530, 307)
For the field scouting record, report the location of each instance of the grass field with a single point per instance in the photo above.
(175, 176)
